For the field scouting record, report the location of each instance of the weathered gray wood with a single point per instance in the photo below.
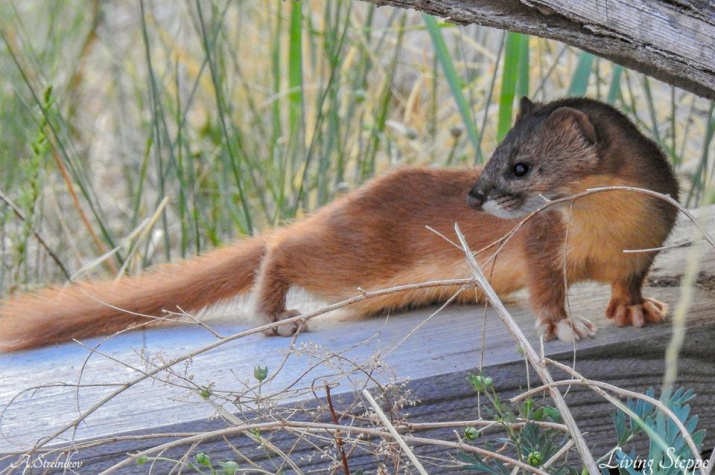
(671, 40)
(635, 366)
(436, 358)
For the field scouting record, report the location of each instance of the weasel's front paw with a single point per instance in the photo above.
(649, 311)
(287, 329)
(569, 329)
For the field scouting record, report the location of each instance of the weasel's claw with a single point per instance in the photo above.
(288, 329)
(649, 311)
(570, 329)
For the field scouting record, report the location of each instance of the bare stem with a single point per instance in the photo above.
(531, 355)
(393, 432)
(316, 427)
(18, 212)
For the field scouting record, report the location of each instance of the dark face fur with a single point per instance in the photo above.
(540, 159)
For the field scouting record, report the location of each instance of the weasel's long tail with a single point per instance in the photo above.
(89, 309)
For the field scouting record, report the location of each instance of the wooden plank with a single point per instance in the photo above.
(434, 353)
(446, 397)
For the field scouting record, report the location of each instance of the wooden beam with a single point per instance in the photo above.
(670, 40)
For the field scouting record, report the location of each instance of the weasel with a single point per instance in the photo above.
(377, 236)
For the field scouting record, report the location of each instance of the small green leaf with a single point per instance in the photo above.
(480, 382)
(260, 373)
(535, 458)
(202, 459)
(526, 410)
(229, 468)
(471, 433)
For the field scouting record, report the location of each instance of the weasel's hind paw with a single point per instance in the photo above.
(287, 329)
(638, 315)
(569, 329)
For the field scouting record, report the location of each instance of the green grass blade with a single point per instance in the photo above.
(699, 178)
(368, 165)
(277, 35)
(157, 114)
(64, 145)
(450, 73)
(245, 224)
(705, 156)
(295, 68)
(579, 80)
(509, 79)
(615, 87)
(672, 149)
(651, 109)
(490, 94)
(522, 83)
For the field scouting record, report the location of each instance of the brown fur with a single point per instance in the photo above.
(570, 146)
(377, 236)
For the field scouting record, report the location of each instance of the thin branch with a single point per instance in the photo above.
(18, 212)
(484, 423)
(337, 434)
(393, 432)
(82, 215)
(573, 198)
(416, 328)
(661, 248)
(531, 355)
(317, 427)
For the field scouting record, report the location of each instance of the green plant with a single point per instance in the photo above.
(530, 442)
(669, 454)
(203, 464)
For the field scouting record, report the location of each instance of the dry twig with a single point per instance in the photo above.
(531, 355)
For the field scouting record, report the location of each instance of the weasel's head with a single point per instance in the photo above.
(547, 152)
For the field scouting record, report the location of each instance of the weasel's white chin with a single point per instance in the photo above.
(495, 210)
(528, 206)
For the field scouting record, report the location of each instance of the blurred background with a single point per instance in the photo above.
(137, 132)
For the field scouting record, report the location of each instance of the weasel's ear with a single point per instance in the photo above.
(570, 120)
(525, 107)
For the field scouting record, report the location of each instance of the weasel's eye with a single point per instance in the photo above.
(521, 169)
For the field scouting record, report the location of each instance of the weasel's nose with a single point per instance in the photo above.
(475, 198)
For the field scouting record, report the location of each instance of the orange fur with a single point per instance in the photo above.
(377, 237)
(88, 309)
(369, 239)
